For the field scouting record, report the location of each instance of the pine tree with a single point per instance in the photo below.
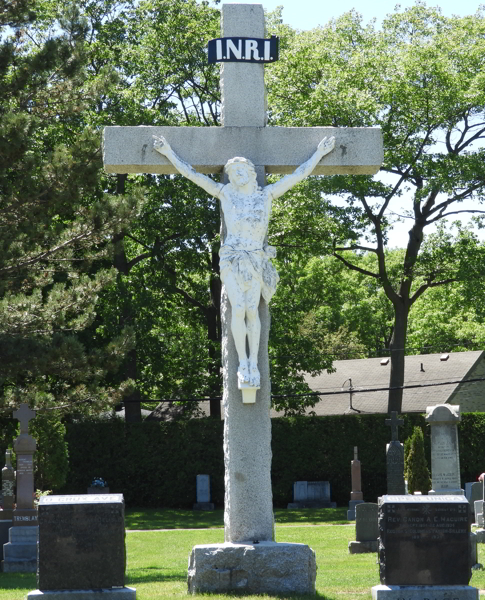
(416, 466)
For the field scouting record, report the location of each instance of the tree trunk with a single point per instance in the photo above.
(398, 353)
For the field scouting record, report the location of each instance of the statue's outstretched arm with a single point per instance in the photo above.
(161, 145)
(283, 185)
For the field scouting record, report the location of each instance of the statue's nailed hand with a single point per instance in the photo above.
(161, 145)
(326, 145)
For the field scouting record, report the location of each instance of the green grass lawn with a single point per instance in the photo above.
(157, 560)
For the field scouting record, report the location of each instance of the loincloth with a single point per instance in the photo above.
(250, 265)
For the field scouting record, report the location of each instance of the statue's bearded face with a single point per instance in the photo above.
(240, 172)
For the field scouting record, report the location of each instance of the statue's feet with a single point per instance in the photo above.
(254, 376)
(243, 375)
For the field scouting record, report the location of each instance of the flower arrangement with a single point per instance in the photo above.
(99, 482)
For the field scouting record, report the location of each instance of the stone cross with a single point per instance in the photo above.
(247, 427)
(24, 414)
(394, 424)
(24, 446)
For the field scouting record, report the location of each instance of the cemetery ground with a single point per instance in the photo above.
(158, 543)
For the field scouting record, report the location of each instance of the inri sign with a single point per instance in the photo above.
(242, 49)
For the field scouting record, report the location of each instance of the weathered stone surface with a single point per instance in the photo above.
(478, 512)
(363, 547)
(445, 458)
(475, 493)
(351, 511)
(125, 593)
(239, 81)
(264, 568)
(207, 149)
(424, 540)
(5, 525)
(424, 592)
(20, 552)
(366, 522)
(311, 494)
(248, 497)
(203, 488)
(81, 542)
(395, 468)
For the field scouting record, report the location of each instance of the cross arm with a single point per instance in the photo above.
(358, 150)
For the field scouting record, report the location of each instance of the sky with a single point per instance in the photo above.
(307, 14)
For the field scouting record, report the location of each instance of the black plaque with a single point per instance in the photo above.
(81, 542)
(424, 540)
(242, 49)
(395, 468)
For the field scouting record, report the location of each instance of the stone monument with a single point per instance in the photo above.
(246, 149)
(311, 494)
(82, 548)
(366, 529)
(395, 458)
(8, 494)
(424, 548)
(203, 493)
(445, 454)
(356, 495)
(20, 552)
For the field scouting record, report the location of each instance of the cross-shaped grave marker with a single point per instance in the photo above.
(247, 426)
(24, 415)
(394, 423)
(24, 446)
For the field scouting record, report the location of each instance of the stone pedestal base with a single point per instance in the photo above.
(264, 568)
(20, 553)
(362, 547)
(203, 506)
(124, 593)
(351, 511)
(424, 592)
(5, 525)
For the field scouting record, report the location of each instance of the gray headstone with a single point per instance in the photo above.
(319, 491)
(395, 468)
(300, 491)
(478, 508)
(203, 488)
(476, 493)
(81, 542)
(424, 540)
(445, 458)
(366, 522)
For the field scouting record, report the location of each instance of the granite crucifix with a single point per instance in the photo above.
(244, 146)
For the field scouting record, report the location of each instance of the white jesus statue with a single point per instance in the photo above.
(246, 270)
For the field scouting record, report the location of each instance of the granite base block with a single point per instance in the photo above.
(351, 511)
(363, 547)
(264, 568)
(125, 593)
(424, 592)
(480, 533)
(19, 566)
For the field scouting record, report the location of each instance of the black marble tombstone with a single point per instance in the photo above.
(81, 542)
(424, 540)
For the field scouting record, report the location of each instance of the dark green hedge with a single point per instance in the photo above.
(155, 464)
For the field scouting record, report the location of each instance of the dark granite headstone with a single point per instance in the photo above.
(366, 528)
(424, 540)
(81, 542)
(395, 468)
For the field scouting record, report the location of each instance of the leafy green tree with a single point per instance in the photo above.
(415, 464)
(54, 215)
(419, 79)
